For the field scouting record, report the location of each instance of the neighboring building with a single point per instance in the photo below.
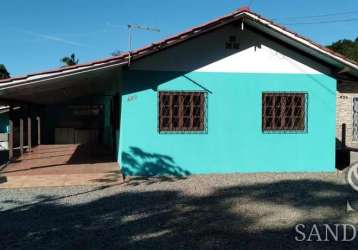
(239, 94)
(347, 122)
(347, 114)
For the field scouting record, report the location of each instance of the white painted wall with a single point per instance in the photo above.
(258, 60)
(257, 54)
(4, 145)
(4, 141)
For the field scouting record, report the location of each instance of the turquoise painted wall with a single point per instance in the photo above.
(4, 122)
(234, 141)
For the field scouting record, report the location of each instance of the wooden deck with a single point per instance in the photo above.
(61, 165)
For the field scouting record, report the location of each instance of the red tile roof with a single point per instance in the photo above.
(181, 37)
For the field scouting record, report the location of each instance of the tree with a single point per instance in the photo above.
(346, 47)
(69, 61)
(116, 53)
(3, 72)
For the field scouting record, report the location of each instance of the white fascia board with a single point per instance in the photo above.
(301, 40)
(57, 75)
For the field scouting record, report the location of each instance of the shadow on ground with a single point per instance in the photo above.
(245, 216)
(137, 162)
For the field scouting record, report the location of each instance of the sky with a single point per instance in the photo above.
(36, 34)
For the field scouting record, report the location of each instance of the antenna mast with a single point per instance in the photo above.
(130, 36)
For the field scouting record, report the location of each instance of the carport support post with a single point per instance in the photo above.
(29, 133)
(11, 140)
(21, 136)
(38, 130)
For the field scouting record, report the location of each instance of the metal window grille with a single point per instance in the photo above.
(283, 111)
(355, 119)
(181, 111)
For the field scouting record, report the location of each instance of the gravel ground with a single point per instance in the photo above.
(236, 211)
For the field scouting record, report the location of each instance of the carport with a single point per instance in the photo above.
(67, 117)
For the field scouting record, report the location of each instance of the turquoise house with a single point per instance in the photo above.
(238, 94)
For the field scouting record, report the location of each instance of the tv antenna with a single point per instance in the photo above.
(131, 27)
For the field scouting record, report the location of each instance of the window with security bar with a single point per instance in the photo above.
(181, 111)
(284, 111)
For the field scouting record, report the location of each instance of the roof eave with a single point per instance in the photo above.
(304, 41)
(182, 37)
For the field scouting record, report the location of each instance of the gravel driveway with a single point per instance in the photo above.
(237, 211)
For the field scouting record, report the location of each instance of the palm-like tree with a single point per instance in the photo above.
(69, 61)
(3, 72)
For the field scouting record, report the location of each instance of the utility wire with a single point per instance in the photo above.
(319, 16)
(324, 22)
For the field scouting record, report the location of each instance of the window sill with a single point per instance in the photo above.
(285, 131)
(183, 132)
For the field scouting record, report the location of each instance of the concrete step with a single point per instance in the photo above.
(61, 180)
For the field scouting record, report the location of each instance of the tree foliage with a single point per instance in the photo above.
(346, 47)
(3, 72)
(69, 60)
(116, 53)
